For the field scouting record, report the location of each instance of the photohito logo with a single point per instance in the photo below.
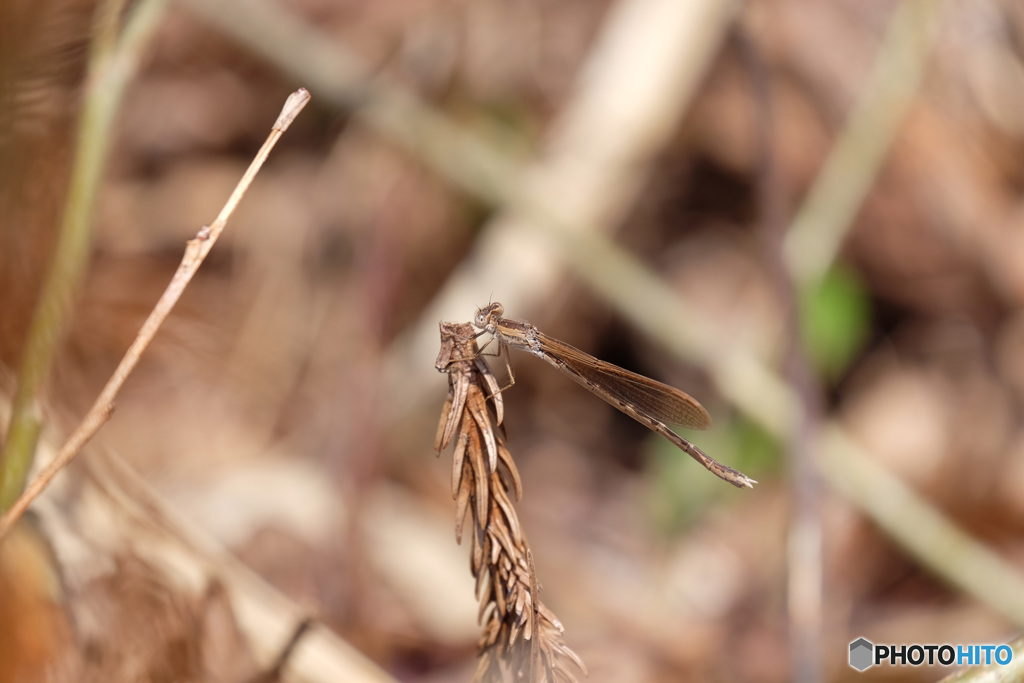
(865, 654)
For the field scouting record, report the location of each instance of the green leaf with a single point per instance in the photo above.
(835, 320)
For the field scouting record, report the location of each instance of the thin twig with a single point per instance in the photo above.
(276, 672)
(112, 64)
(195, 252)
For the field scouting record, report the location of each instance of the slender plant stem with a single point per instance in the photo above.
(817, 233)
(112, 63)
(195, 252)
(805, 575)
(945, 548)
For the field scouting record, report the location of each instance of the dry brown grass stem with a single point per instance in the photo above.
(521, 637)
(195, 252)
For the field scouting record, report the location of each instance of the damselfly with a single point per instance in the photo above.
(650, 403)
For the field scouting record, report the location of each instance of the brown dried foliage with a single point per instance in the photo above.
(521, 636)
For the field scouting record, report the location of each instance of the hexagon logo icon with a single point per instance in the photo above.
(861, 654)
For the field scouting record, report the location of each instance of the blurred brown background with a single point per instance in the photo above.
(287, 409)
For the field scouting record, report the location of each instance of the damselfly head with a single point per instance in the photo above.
(485, 316)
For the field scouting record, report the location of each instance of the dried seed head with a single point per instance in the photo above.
(520, 636)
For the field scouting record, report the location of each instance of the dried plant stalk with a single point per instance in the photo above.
(521, 637)
(196, 250)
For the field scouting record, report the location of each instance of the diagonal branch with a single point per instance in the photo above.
(195, 252)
